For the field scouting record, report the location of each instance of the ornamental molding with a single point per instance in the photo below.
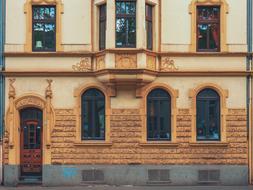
(193, 4)
(30, 101)
(168, 64)
(49, 93)
(151, 62)
(100, 62)
(12, 91)
(126, 61)
(43, 2)
(83, 66)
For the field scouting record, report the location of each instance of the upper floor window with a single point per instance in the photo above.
(149, 26)
(158, 115)
(43, 28)
(93, 115)
(208, 115)
(208, 28)
(126, 23)
(102, 26)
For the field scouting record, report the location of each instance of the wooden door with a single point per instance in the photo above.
(31, 147)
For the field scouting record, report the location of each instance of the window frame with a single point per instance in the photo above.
(125, 16)
(224, 11)
(93, 100)
(224, 94)
(218, 22)
(28, 12)
(206, 101)
(149, 20)
(158, 100)
(44, 21)
(102, 19)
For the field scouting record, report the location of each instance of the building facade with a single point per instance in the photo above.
(127, 92)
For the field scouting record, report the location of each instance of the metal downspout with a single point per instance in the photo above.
(249, 84)
(2, 98)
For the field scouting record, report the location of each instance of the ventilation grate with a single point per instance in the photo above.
(93, 176)
(156, 176)
(209, 176)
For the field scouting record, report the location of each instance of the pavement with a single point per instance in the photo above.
(130, 188)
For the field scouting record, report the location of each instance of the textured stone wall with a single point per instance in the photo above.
(126, 133)
(5, 148)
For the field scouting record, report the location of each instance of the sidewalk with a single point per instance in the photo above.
(130, 188)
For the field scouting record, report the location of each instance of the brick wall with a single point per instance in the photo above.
(126, 136)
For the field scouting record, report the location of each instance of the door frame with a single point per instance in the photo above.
(13, 126)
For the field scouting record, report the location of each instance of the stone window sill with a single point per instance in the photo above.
(210, 144)
(159, 144)
(93, 143)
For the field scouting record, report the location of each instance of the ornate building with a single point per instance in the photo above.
(127, 92)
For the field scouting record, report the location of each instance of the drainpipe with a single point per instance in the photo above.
(249, 84)
(2, 82)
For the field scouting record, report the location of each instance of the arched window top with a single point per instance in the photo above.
(94, 93)
(159, 93)
(208, 93)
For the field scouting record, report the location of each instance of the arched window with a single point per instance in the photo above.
(158, 115)
(93, 115)
(208, 115)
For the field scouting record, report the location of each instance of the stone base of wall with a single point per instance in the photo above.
(67, 175)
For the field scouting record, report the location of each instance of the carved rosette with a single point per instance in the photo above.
(151, 62)
(126, 61)
(83, 66)
(168, 64)
(100, 62)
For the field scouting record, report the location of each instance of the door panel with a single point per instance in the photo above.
(31, 146)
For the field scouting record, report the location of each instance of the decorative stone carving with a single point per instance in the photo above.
(126, 61)
(84, 65)
(30, 101)
(12, 92)
(100, 62)
(49, 93)
(168, 64)
(151, 62)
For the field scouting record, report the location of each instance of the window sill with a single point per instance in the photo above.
(210, 144)
(159, 144)
(93, 143)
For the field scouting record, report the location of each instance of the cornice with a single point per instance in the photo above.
(126, 51)
(126, 72)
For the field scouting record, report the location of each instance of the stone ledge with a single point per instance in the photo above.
(93, 143)
(159, 144)
(210, 144)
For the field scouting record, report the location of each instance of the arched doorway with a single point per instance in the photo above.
(31, 125)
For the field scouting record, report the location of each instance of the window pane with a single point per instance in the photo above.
(202, 36)
(165, 120)
(149, 29)
(49, 36)
(38, 34)
(131, 32)
(121, 32)
(102, 27)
